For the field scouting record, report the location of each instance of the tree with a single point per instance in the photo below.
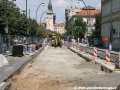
(80, 27)
(33, 26)
(70, 30)
(97, 32)
(18, 23)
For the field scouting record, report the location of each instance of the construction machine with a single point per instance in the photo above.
(54, 39)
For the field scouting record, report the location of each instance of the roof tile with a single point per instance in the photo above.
(88, 12)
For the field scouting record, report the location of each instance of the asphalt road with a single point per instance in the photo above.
(101, 54)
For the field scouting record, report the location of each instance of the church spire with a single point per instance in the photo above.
(50, 7)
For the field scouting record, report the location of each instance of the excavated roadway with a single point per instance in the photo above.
(62, 69)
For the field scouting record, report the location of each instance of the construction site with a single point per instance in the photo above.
(56, 68)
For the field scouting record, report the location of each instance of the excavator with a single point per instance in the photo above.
(54, 39)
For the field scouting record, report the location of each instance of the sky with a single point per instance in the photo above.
(58, 7)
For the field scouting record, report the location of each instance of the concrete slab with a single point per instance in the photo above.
(15, 64)
(4, 85)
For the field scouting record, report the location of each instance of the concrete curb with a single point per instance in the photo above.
(6, 85)
(115, 53)
(103, 67)
(79, 54)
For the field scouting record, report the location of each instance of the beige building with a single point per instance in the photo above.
(60, 28)
(88, 15)
(110, 27)
(50, 17)
(50, 21)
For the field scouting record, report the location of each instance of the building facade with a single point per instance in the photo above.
(88, 15)
(110, 27)
(70, 11)
(50, 17)
(60, 28)
(50, 21)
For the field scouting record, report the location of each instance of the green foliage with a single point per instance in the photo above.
(63, 35)
(17, 22)
(77, 29)
(97, 32)
(33, 26)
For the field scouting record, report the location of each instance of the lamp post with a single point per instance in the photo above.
(87, 18)
(41, 16)
(38, 8)
(111, 28)
(26, 7)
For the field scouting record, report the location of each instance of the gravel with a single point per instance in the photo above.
(61, 69)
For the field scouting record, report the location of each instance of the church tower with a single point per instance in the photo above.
(50, 17)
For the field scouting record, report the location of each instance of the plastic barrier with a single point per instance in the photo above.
(76, 46)
(95, 52)
(29, 49)
(108, 57)
(73, 45)
(80, 49)
(3, 61)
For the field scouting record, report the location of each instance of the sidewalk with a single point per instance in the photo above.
(88, 57)
(15, 65)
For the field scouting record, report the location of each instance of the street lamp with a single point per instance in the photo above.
(83, 2)
(111, 28)
(87, 18)
(41, 16)
(38, 8)
(26, 7)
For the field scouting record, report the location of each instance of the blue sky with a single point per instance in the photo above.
(58, 7)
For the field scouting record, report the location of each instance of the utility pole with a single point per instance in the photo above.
(87, 20)
(29, 22)
(38, 8)
(111, 27)
(26, 7)
(26, 19)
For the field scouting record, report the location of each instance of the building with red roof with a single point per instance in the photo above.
(88, 15)
(50, 21)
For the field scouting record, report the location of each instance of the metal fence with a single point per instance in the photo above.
(7, 41)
